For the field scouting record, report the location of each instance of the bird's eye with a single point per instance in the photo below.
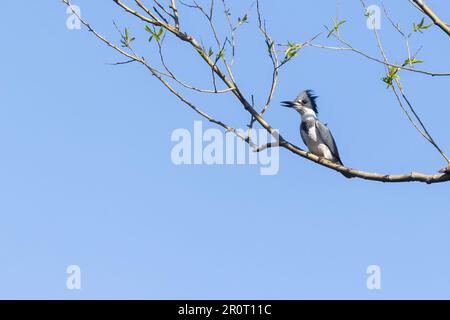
(304, 102)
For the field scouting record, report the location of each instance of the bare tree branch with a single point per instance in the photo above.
(155, 73)
(173, 6)
(171, 74)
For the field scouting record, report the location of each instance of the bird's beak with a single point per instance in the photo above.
(288, 104)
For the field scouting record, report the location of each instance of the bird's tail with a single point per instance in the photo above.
(345, 174)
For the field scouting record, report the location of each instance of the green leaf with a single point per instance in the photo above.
(242, 20)
(421, 26)
(154, 34)
(391, 76)
(336, 26)
(126, 40)
(411, 61)
(291, 51)
(221, 54)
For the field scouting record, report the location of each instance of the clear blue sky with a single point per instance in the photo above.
(86, 176)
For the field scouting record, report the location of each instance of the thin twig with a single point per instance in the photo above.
(173, 6)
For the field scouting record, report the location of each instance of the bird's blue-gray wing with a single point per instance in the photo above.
(326, 136)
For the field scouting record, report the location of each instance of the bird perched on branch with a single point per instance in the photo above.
(315, 134)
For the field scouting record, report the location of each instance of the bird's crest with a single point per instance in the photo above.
(312, 97)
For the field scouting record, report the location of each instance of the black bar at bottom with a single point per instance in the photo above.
(224, 309)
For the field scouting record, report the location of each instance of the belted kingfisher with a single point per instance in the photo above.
(315, 134)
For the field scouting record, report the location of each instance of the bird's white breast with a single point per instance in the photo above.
(314, 145)
(312, 134)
